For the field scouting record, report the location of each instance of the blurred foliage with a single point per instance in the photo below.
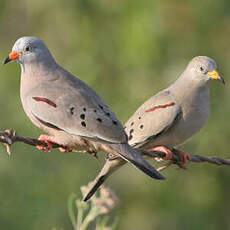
(95, 212)
(127, 50)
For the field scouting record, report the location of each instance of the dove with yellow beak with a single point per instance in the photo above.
(170, 117)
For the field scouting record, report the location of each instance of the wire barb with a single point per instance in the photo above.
(9, 137)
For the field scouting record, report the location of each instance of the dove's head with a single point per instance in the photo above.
(202, 69)
(28, 50)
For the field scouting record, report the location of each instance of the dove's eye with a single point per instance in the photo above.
(28, 48)
(201, 68)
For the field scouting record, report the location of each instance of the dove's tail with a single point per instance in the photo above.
(126, 153)
(109, 167)
(131, 155)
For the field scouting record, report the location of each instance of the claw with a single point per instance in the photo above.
(48, 140)
(182, 157)
(45, 148)
(65, 149)
(161, 148)
(185, 157)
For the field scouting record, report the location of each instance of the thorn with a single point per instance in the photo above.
(8, 149)
(164, 166)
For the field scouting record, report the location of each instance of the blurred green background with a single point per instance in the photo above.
(127, 50)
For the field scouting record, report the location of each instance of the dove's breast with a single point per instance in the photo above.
(195, 112)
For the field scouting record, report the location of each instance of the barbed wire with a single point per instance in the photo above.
(9, 137)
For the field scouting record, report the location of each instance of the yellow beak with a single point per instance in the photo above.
(215, 75)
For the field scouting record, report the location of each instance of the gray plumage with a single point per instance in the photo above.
(173, 115)
(67, 108)
(186, 109)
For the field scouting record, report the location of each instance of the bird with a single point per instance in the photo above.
(72, 113)
(170, 117)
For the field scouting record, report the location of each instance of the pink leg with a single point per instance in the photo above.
(65, 149)
(168, 154)
(49, 140)
(161, 148)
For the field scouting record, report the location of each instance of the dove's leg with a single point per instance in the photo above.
(161, 148)
(185, 157)
(50, 140)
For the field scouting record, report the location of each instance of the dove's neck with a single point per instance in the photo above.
(189, 88)
(33, 74)
(40, 65)
(193, 96)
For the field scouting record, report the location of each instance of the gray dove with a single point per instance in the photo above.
(170, 117)
(67, 108)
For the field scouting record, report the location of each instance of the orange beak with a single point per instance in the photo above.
(12, 56)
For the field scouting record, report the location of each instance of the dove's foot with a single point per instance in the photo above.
(65, 149)
(168, 153)
(184, 157)
(50, 140)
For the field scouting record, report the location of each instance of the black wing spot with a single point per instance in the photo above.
(130, 137)
(114, 122)
(139, 118)
(84, 109)
(141, 126)
(132, 124)
(72, 110)
(82, 116)
(131, 131)
(101, 107)
(108, 114)
(95, 110)
(99, 119)
(83, 124)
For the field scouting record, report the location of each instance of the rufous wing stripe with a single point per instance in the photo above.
(46, 100)
(160, 107)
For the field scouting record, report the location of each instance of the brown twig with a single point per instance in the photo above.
(9, 137)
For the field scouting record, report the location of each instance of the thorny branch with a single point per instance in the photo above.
(9, 137)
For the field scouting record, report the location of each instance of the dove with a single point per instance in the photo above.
(65, 107)
(170, 117)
